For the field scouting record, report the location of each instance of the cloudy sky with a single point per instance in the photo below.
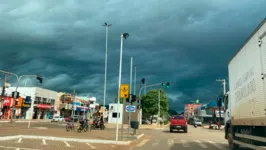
(187, 43)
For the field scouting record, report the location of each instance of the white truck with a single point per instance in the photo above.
(245, 103)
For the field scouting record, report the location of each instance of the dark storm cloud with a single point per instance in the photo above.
(185, 42)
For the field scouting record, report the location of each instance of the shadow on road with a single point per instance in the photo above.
(167, 131)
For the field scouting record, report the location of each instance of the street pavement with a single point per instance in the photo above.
(30, 144)
(196, 139)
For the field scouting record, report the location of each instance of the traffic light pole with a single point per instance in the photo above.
(17, 84)
(140, 110)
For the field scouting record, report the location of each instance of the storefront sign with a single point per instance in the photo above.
(7, 101)
(43, 106)
(81, 108)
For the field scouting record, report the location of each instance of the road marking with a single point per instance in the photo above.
(213, 143)
(142, 142)
(8, 147)
(156, 142)
(67, 145)
(19, 140)
(200, 144)
(171, 142)
(44, 142)
(91, 146)
(185, 143)
(17, 149)
(113, 146)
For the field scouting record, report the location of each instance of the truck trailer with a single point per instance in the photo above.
(245, 103)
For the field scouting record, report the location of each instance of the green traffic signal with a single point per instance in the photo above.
(167, 85)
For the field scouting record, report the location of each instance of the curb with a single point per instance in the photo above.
(24, 121)
(5, 138)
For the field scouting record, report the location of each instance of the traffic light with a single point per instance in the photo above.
(143, 81)
(133, 98)
(219, 102)
(167, 84)
(39, 78)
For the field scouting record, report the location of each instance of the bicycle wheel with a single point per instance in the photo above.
(79, 130)
(68, 128)
(93, 126)
(102, 127)
(86, 128)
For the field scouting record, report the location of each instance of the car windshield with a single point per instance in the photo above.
(178, 117)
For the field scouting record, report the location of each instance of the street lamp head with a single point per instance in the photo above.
(125, 35)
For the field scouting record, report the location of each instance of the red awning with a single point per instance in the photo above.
(43, 106)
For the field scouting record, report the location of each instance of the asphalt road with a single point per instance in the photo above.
(196, 139)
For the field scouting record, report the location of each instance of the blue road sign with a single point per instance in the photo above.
(130, 108)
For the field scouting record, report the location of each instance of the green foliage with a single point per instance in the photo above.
(121, 100)
(150, 103)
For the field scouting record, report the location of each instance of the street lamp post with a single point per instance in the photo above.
(18, 79)
(123, 36)
(105, 70)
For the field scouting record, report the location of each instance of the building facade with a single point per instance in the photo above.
(33, 103)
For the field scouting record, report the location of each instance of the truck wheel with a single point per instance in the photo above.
(232, 145)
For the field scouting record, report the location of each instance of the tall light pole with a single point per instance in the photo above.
(130, 89)
(105, 70)
(135, 79)
(123, 36)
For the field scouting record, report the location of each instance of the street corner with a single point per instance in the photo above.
(56, 144)
(142, 140)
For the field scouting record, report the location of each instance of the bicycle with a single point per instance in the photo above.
(70, 126)
(83, 126)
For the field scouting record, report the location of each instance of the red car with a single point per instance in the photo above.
(178, 122)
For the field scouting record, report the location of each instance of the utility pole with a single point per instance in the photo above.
(105, 70)
(224, 87)
(223, 83)
(135, 79)
(130, 95)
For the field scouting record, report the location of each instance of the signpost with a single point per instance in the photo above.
(124, 91)
(130, 108)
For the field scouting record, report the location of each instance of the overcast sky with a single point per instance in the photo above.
(187, 43)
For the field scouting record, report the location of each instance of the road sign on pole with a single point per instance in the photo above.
(124, 91)
(130, 108)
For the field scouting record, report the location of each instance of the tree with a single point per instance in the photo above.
(150, 103)
(121, 100)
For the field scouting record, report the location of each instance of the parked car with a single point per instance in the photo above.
(178, 122)
(197, 122)
(145, 121)
(58, 119)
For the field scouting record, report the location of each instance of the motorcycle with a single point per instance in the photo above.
(95, 124)
(83, 126)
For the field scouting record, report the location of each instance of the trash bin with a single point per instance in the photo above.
(134, 124)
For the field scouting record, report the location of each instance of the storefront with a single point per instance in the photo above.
(41, 111)
(25, 107)
(6, 108)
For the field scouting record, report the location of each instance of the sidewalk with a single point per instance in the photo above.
(152, 126)
(23, 120)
